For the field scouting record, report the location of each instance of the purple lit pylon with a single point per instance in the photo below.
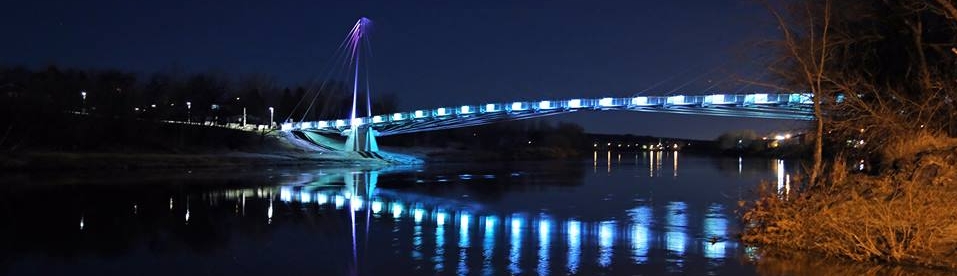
(359, 138)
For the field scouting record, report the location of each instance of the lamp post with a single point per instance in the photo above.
(83, 96)
(271, 111)
(189, 106)
(244, 116)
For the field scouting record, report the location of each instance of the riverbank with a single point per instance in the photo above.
(904, 215)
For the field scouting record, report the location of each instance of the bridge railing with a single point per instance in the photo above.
(646, 103)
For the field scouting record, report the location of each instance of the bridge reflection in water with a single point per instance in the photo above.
(449, 236)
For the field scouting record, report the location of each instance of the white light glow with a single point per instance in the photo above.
(323, 124)
(285, 194)
(377, 119)
(576, 103)
(376, 207)
(441, 111)
(639, 101)
(356, 203)
(356, 122)
(417, 215)
(440, 218)
(396, 210)
(606, 102)
(339, 201)
(305, 197)
(489, 107)
(517, 106)
(340, 123)
(397, 116)
(465, 109)
(544, 105)
(679, 99)
(322, 199)
(419, 113)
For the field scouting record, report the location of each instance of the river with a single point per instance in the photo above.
(645, 213)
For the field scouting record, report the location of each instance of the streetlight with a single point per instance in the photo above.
(189, 106)
(83, 96)
(271, 111)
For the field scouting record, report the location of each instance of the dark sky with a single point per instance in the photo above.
(430, 53)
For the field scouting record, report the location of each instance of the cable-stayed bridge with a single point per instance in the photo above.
(361, 131)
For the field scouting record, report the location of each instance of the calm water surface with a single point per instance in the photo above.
(614, 214)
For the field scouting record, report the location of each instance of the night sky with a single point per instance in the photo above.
(430, 53)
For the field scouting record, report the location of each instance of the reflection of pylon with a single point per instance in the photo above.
(362, 184)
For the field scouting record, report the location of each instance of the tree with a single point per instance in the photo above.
(890, 62)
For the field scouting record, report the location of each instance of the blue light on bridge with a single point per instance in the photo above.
(340, 123)
(339, 201)
(398, 117)
(714, 99)
(323, 124)
(802, 98)
(491, 108)
(605, 102)
(305, 197)
(517, 106)
(376, 207)
(676, 100)
(356, 122)
(545, 105)
(576, 103)
(441, 111)
(639, 101)
(465, 109)
(321, 199)
(419, 114)
(285, 194)
(377, 119)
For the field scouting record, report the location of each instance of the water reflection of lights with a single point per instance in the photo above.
(606, 238)
(417, 215)
(488, 245)
(439, 258)
(269, 213)
(574, 245)
(784, 180)
(640, 231)
(675, 164)
(715, 229)
(463, 269)
(396, 210)
(515, 246)
(677, 222)
(544, 227)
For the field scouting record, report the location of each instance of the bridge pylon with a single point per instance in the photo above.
(361, 138)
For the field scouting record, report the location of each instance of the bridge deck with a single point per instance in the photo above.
(793, 106)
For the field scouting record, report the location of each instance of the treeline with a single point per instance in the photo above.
(35, 102)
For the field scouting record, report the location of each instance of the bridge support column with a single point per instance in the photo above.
(361, 139)
(361, 184)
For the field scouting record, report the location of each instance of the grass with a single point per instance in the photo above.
(905, 215)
